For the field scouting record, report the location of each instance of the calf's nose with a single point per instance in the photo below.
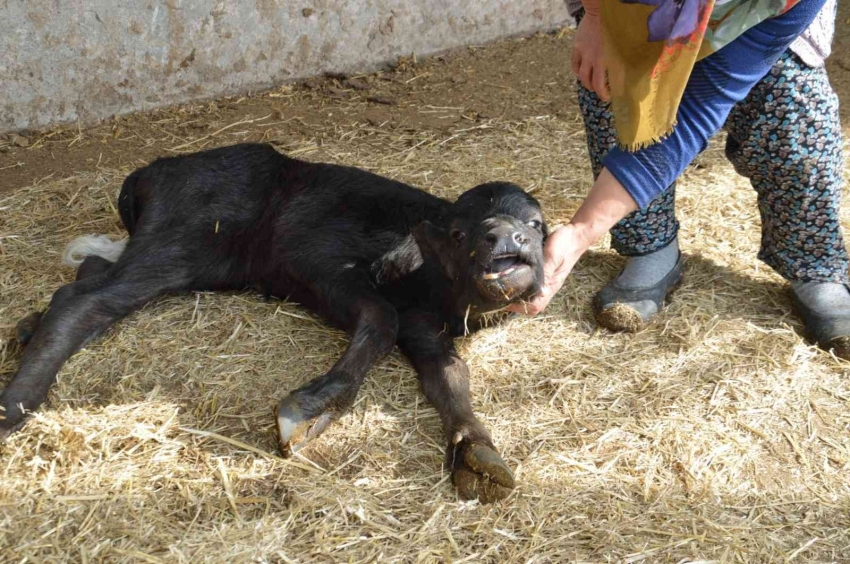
(505, 237)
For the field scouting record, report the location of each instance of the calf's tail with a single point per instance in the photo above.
(129, 208)
(97, 245)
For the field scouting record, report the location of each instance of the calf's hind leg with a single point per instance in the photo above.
(372, 323)
(78, 313)
(477, 470)
(92, 270)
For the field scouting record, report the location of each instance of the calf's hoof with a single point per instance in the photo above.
(26, 327)
(11, 420)
(478, 472)
(8, 431)
(296, 427)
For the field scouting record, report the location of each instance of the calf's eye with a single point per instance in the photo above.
(458, 235)
(534, 224)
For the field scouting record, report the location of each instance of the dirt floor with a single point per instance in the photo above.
(715, 435)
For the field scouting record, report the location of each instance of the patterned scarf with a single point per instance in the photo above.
(651, 47)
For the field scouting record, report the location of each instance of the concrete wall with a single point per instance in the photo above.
(64, 60)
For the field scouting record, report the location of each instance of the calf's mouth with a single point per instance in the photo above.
(504, 265)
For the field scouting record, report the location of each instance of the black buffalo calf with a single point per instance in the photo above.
(385, 262)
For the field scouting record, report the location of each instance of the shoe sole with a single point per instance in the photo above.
(623, 319)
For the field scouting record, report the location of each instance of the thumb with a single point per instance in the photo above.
(549, 276)
(552, 257)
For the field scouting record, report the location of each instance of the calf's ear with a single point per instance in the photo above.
(398, 263)
(435, 242)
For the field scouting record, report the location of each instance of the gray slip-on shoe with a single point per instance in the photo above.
(629, 309)
(829, 328)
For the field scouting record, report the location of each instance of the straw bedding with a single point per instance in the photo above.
(715, 435)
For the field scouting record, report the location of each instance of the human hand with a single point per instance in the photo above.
(607, 203)
(560, 254)
(587, 61)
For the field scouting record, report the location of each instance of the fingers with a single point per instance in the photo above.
(585, 73)
(524, 308)
(537, 304)
(576, 60)
(600, 83)
(521, 308)
(593, 77)
(531, 308)
(554, 280)
(534, 306)
(590, 70)
(556, 268)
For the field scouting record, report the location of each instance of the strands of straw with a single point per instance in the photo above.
(715, 435)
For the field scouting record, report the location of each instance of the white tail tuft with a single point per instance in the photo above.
(97, 245)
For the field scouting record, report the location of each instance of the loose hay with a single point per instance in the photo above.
(716, 434)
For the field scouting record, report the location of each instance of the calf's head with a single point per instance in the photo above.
(491, 246)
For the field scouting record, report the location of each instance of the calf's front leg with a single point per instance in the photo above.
(305, 413)
(477, 470)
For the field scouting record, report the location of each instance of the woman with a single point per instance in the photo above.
(765, 83)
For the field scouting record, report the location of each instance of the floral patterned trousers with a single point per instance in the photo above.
(786, 138)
